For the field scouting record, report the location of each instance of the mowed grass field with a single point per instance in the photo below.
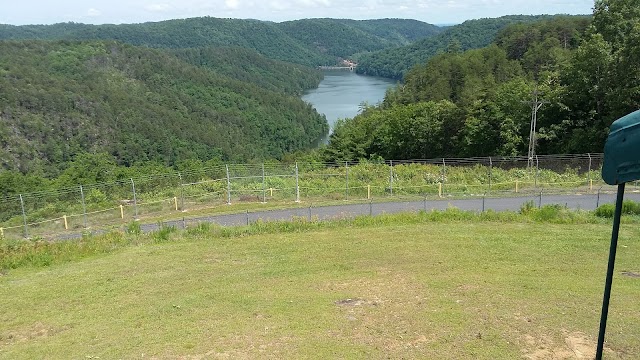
(428, 290)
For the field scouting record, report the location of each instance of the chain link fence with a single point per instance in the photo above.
(160, 197)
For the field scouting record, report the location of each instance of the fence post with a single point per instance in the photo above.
(264, 189)
(1, 233)
(589, 173)
(346, 189)
(490, 172)
(516, 185)
(135, 198)
(297, 185)
(368, 192)
(228, 186)
(425, 202)
(440, 189)
(84, 207)
(309, 212)
(540, 200)
(247, 217)
(483, 201)
(24, 217)
(391, 177)
(181, 192)
(121, 211)
(537, 172)
(66, 224)
(175, 202)
(444, 170)
(370, 208)
(598, 198)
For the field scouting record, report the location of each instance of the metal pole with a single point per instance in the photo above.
(589, 173)
(309, 212)
(444, 170)
(264, 189)
(483, 200)
(247, 217)
(135, 199)
(24, 217)
(297, 185)
(370, 208)
(598, 198)
(612, 259)
(346, 189)
(391, 177)
(84, 207)
(537, 171)
(228, 186)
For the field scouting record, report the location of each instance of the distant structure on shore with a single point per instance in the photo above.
(345, 65)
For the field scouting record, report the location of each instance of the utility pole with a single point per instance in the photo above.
(536, 104)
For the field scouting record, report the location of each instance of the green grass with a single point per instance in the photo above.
(441, 285)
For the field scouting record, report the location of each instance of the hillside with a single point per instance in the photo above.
(477, 102)
(343, 38)
(59, 99)
(249, 66)
(472, 34)
(309, 42)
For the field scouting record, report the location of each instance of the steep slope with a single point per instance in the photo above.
(343, 37)
(58, 99)
(472, 34)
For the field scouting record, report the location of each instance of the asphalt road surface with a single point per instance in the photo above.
(575, 201)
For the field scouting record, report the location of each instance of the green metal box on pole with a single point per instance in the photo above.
(621, 165)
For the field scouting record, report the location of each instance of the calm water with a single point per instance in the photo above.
(341, 93)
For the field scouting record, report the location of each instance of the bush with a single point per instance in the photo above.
(629, 207)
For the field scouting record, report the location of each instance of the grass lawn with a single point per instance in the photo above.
(434, 290)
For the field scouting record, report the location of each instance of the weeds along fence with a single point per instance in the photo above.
(157, 197)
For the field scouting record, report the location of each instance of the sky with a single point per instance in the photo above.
(21, 12)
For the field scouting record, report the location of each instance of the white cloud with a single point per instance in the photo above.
(158, 7)
(232, 4)
(94, 12)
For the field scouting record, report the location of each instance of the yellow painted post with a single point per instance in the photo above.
(516, 185)
(590, 184)
(66, 224)
(439, 189)
(1, 232)
(271, 192)
(121, 211)
(368, 192)
(175, 202)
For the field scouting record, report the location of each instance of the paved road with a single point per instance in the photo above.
(575, 201)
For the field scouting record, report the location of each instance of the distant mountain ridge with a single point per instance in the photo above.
(309, 42)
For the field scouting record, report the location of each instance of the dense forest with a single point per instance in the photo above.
(472, 34)
(309, 42)
(60, 99)
(476, 103)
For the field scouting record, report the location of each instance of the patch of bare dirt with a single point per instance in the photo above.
(35, 331)
(631, 274)
(576, 346)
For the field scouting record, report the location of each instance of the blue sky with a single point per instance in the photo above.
(20, 12)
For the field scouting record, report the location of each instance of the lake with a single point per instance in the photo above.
(341, 92)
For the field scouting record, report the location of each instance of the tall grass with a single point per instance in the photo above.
(38, 252)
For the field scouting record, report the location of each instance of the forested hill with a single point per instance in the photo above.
(477, 102)
(472, 34)
(60, 99)
(343, 38)
(309, 42)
